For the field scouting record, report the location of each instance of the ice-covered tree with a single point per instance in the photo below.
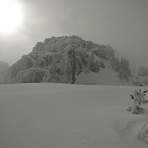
(138, 101)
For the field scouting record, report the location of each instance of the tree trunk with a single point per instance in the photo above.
(73, 66)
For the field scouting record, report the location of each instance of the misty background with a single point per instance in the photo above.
(119, 23)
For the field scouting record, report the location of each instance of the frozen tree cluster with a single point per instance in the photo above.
(63, 59)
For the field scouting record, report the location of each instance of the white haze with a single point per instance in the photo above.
(120, 23)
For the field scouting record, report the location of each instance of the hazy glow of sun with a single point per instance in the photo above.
(11, 16)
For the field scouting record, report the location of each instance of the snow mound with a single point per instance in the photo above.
(143, 133)
(134, 131)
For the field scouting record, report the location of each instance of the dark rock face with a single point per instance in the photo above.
(60, 59)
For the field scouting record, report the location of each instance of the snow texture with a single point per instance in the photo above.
(69, 116)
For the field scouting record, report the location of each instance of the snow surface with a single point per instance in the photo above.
(68, 116)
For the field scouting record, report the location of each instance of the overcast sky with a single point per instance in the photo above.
(123, 24)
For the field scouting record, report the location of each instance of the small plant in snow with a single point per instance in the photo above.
(138, 101)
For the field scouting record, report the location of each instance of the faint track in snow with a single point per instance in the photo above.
(132, 132)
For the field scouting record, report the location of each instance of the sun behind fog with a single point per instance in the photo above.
(11, 16)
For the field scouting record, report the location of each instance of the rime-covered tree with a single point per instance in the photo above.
(72, 61)
(138, 101)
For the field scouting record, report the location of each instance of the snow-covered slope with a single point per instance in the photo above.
(106, 75)
(68, 116)
(143, 75)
